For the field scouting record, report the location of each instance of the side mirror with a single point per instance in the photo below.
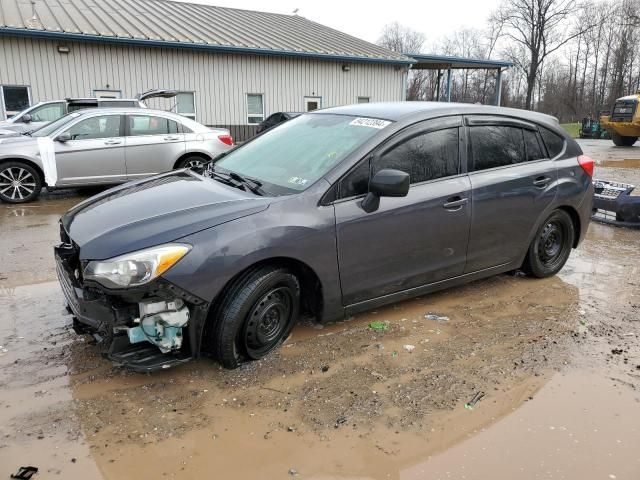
(385, 183)
(63, 137)
(26, 118)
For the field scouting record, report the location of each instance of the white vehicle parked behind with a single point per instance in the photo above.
(104, 146)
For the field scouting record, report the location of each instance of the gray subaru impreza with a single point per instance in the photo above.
(330, 214)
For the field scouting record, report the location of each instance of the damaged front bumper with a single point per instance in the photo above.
(144, 328)
(615, 204)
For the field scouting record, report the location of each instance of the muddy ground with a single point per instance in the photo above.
(558, 362)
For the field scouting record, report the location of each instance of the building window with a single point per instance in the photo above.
(312, 103)
(255, 108)
(108, 94)
(186, 104)
(15, 98)
(363, 99)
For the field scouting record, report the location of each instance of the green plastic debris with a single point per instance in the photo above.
(379, 326)
(394, 354)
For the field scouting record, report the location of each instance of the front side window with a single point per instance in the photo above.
(255, 108)
(292, 157)
(106, 126)
(427, 156)
(496, 146)
(150, 125)
(47, 113)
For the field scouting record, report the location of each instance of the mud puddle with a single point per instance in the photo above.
(625, 163)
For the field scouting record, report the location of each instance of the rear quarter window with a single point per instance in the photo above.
(553, 142)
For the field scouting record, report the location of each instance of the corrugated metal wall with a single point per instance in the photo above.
(221, 81)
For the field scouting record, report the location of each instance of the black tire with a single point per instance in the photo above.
(255, 315)
(193, 162)
(622, 141)
(19, 182)
(551, 246)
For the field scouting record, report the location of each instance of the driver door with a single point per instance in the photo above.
(95, 153)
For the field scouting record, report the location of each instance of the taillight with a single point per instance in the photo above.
(226, 139)
(587, 164)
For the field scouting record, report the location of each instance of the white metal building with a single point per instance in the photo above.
(232, 67)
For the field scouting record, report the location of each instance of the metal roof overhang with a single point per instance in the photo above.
(443, 62)
(32, 33)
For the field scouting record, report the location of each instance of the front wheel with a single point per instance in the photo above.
(193, 162)
(19, 182)
(255, 315)
(550, 248)
(622, 141)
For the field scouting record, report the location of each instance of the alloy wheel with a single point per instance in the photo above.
(16, 183)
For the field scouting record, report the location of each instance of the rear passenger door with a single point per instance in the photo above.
(409, 241)
(513, 181)
(153, 144)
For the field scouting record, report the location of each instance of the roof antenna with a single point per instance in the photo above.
(295, 12)
(33, 22)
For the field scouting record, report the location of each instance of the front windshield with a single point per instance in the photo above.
(53, 126)
(292, 156)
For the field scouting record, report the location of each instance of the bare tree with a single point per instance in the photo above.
(541, 27)
(401, 39)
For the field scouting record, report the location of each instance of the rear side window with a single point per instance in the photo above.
(534, 150)
(496, 146)
(427, 156)
(148, 125)
(553, 141)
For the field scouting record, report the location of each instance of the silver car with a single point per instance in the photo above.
(102, 147)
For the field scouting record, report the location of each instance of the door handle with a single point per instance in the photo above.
(541, 182)
(112, 142)
(172, 137)
(455, 203)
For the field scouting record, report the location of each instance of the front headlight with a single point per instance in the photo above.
(136, 268)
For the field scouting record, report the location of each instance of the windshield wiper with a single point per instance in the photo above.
(27, 132)
(252, 185)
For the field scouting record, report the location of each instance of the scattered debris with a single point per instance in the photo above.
(409, 348)
(379, 325)
(25, 473)
(435, 317)
(617, 351)
(476, 398)
(394, 354)
(324, 368)
(293, 472)
(291, 429)
(340, 421)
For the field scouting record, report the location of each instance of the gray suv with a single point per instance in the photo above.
(103, 147)
(332, 213)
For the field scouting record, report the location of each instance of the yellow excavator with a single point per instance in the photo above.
(624, 121)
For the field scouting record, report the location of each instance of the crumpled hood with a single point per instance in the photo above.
(154, 211)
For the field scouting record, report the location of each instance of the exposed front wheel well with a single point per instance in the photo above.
(203, 156)
(311, 295)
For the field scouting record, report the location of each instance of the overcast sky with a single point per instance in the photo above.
(365, 19)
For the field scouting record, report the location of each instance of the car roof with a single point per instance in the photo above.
(397, 111)
(137, 110)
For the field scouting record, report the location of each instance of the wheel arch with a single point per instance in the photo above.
(202, 155)
(29, 162)
(311, 292)
(575, 219)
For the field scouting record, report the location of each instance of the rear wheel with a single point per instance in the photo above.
(622, 141)
(19, 182)
(193, 162)
(550, 248)
(255, 315)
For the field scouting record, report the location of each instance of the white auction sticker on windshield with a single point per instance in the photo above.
(370, 122)
(298, 181)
